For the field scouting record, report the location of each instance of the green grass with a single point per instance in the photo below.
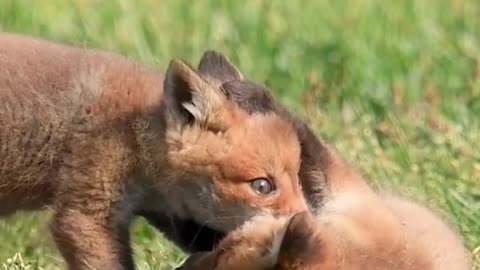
(395, 85)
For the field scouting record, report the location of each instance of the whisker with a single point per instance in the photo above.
(196, 235)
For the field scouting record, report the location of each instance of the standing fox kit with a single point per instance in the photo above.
(98, 139)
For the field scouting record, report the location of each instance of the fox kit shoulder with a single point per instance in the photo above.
(99, 138)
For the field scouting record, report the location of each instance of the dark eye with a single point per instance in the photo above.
(262, 186)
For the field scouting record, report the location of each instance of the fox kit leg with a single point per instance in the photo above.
(91, 215)
(87, 242)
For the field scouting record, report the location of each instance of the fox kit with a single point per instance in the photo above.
(349, 227)
(307, 242)
(98, 138)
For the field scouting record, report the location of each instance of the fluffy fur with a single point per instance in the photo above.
(98, 139)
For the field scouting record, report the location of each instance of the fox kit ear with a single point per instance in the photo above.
(188, 97)
(288, 240)
(218, 67)
(277, 242)
(298, 233)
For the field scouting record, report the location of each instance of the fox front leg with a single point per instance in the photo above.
(91, 217)
(88, 242)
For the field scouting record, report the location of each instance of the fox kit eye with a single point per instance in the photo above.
(262, 186)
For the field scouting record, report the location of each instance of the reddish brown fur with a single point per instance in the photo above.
(95, 137)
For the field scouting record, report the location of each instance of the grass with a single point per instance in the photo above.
(395, 85)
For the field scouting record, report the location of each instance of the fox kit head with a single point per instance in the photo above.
(225, 163)
(264, 243)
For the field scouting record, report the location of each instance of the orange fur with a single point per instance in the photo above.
(98, 138)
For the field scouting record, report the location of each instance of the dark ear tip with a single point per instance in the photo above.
(218, 66)
(299, 219)
(212, 56)
(298, 232)
(212, 52)
(179, 67)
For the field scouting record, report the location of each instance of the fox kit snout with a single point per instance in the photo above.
(99, 138)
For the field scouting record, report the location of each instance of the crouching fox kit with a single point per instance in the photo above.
(98, 138)
(350, 227)
(307, 242)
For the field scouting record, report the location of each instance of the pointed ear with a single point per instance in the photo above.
(289, 240)
(188, 97)
(277, 242)
(282, 240)
(299, 233)
(215, 65)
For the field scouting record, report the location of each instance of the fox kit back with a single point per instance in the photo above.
(98, 138)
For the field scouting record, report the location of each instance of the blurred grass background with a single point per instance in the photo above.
(395, 85)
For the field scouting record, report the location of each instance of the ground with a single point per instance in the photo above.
(394, 85)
